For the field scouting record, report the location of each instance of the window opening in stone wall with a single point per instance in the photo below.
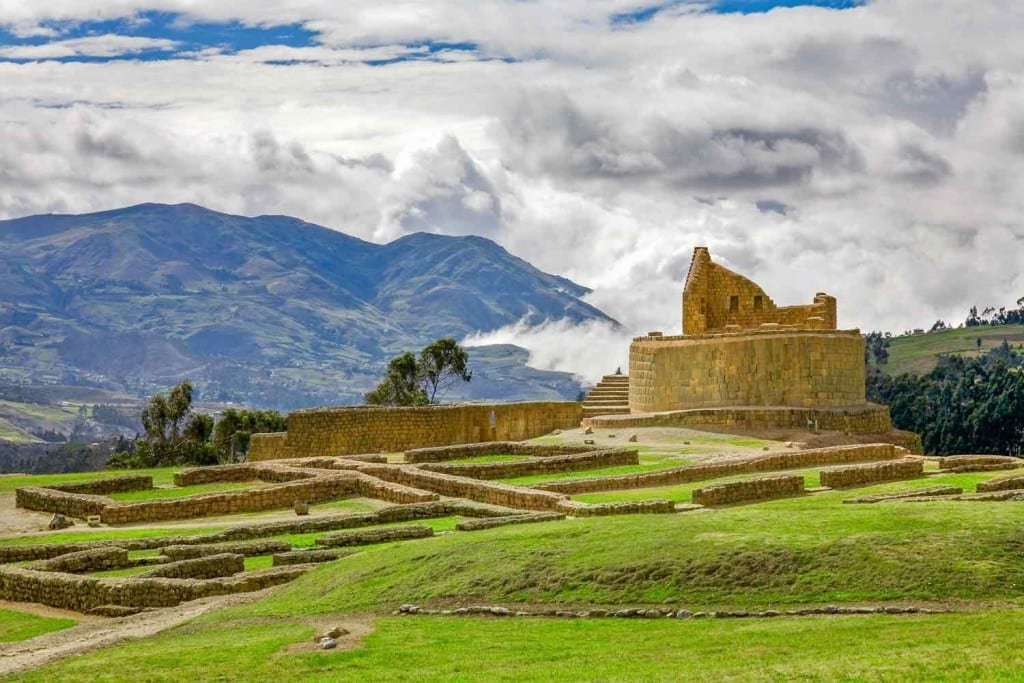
(734, 304)
(758, 303)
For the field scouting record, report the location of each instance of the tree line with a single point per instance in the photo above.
(175, 434)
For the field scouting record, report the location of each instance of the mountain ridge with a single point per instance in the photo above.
(254, 308)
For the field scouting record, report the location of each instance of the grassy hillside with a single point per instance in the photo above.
(919, 353)
(966, 556)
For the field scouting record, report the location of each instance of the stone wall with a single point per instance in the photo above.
(868, 418)
(859, 475)
(107, 485)
(471, 450)
(492, 522)
(1001, 484)
(801, 368)
(753, 489)
(715, 298)
(207, 567)
(82, 561)
(369, 429)
(51, 500)
(368, 536)
(493, 493)
(83, 593)
(608, 457)
(956, 461)
(241, 548)
(626, 507)
(768, 462)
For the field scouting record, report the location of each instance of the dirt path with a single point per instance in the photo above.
(91, 635)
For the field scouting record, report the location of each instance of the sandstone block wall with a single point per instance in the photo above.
(51, 500)
(368, 536)
(82, 561)
(310, 555)
(754, 489)
(369, 429)
(715, 297)
(799, 368)
(491, 522)
(859, 475)
(630, 507)
(769, 462)
(107, 485)
(493, 493)
(953, 461)
(241, 548)
(83, 593)
(208, 567)
(1001, 484)
(868, 418)
(609, 457)
(442, 453)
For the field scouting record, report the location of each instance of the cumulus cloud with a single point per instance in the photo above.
(876, 153)
(588, 351)
(108, 45)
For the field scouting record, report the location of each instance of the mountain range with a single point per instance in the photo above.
(269, 311)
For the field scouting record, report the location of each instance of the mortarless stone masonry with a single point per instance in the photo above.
(752, 489)
(870, 473)
(369, 429)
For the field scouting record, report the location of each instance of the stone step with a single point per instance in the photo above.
(615, 379)
(591, 411)
(608, 394)
(604, 402)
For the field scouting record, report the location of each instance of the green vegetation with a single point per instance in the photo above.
(182, 492)
(964, 405)
(417, 380)
(16, 626)
(175, 435)
(162, 476)
(8, 432)
(451, 649)
(919, 353)
(106, 535)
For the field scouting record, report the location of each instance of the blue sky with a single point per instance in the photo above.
(174, 35)
(860, 147)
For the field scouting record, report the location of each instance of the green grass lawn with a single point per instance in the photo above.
(876, 647)
(9, 482)
(184, 491)
(105, 534)
(15, 625)
(683, 493)
(122, 573)
(919, 353)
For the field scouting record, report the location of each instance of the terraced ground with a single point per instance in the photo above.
(963, 559)
(918, 353)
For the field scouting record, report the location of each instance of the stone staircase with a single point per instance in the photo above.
(609, 397)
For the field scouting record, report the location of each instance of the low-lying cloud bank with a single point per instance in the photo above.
(588, 350)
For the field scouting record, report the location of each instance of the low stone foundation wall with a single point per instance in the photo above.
(492, 522)
(312, 490)
(859, 475)
(1001, 484)
(310, 556)
(107, 485)
(868, 418)
(84, 561)
(634, 507)
(79, 505)
(208, 567)
(765, 463)
(369, 536)
(463, 487)
(592, 460)
(930, 492)
(957, 461)
(471, 450)
(764, 488)
(241, 548)
(82, 593)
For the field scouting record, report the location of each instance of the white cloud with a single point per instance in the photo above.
(884, 145)
(107, 45)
